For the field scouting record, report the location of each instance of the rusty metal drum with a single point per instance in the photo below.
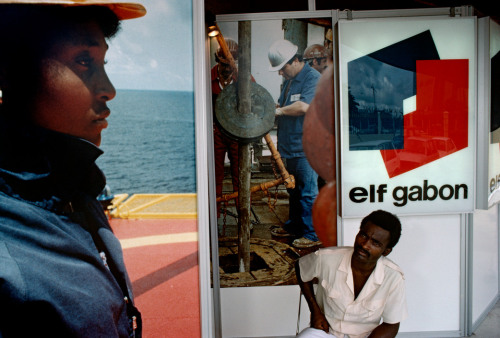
(245, 127)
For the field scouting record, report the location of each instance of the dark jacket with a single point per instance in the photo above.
(61, 268)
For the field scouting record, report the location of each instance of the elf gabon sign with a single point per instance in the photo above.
(407, 115)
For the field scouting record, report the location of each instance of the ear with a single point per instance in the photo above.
(387, 251)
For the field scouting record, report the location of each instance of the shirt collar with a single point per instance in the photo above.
(345, 264)
(303, 72)
(376, 277)
(378, 273)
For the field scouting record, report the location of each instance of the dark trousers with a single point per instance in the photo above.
(222, 145)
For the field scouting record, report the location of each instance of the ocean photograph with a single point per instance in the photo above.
(149, 145)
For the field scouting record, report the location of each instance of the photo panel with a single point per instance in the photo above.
(150, 164)
(271, 257)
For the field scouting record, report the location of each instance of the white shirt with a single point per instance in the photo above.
(383, 295)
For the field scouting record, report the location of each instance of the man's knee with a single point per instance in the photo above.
(314, 333)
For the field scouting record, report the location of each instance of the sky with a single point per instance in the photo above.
(154, 52)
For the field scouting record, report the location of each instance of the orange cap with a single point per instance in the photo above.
(123, 10)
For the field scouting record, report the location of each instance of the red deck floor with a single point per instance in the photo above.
(162, 260)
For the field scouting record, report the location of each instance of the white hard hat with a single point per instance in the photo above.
(123, 9)
(280, 53)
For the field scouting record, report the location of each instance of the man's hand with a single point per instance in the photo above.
(318, 321)
(385, 330)
(297, 108)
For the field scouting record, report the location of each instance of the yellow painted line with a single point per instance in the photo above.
(159, 239)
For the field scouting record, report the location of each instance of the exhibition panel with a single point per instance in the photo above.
(407, 115)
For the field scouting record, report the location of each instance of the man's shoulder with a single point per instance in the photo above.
(327, 258)
(313, 72)
(309, 73)
(334, 251)
(391, 267)
(213, 72)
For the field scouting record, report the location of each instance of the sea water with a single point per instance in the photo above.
(149, 145)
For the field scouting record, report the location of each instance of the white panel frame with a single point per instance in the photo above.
(484, 256)
(209, 310)
(483, 113)
(487, 156)
(260, 311)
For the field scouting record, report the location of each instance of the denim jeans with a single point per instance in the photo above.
(301, 198)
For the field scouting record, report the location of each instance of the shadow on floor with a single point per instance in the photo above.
(490, 327)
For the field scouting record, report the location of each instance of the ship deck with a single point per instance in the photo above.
(161, 256)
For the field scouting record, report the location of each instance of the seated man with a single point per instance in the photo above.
(357, 286)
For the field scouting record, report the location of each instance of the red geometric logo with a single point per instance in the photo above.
(439, 125)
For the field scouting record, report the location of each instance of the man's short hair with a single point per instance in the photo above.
(386, 221)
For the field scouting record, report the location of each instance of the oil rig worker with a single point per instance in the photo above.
(222, 75)
(317, 56)
(298, 91)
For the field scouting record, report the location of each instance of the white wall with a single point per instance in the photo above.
(262, 311)
(485, 255)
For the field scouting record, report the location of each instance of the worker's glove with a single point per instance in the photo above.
(278, 112)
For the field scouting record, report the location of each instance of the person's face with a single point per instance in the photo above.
(74, 87)
(289, 71)
(225, 69)
(371, 243)
(319, 64)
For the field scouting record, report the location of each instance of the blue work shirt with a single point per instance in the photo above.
(302, 88)
(57, 250)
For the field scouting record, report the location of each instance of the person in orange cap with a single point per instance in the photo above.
(61, 268)
(222, 75)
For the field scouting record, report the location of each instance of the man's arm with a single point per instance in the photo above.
(318, 319)
(385, 330)
(297, 108)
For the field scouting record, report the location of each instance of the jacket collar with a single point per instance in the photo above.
(39, 164)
